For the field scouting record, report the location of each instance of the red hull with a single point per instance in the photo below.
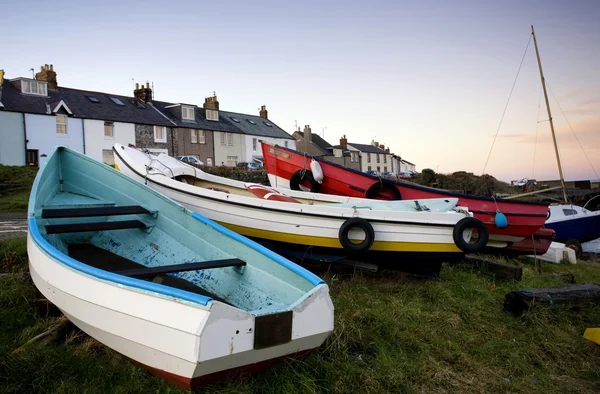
(192, 384)
(524, 218)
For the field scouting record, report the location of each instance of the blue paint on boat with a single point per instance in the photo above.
(174, 235)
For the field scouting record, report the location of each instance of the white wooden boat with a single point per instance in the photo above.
(172, 290)
(318, 226)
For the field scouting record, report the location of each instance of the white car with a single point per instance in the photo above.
(190, 160)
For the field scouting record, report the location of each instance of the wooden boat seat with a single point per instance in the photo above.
(169, 269)
(80, 212)
(96, 226)
(108, 261)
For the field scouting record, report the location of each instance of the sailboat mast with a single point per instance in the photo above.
(562, 180)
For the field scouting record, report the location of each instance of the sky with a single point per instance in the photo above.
(428, 79)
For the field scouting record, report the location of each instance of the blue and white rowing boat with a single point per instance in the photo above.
(176, 292)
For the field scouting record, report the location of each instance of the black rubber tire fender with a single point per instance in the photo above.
(297, 177)
(356, 223)
(576, 246)
(476, 224)
(383, 187)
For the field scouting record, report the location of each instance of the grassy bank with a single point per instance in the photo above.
(393, 333)
(15, 184)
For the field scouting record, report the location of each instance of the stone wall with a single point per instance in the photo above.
(144, 138)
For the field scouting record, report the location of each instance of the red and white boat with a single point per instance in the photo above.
(524, 234)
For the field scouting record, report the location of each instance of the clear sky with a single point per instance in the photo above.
(429, 79)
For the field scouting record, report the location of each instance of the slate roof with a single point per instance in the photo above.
(367, 148)
(200, 122)
(317, 140)
(81, 106)
(254, 125)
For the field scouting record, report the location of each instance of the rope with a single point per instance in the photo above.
(572, 131)
(506, 106)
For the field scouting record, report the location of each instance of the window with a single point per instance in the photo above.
(369, 159)
(569, 212)
(34, 87)
(61, 124)
(160, 134)
(369, 168)
(384, 159)
(187, 113)
(254, 143)
(109, 129)
(232, 161)
(193, 136)
(117, 101)
(201, 137)
(236, 120)
(385, 168)
(337, 152)
(285, 143)
(250, 121)
(93, 99)
(267, 124)
(229, 139)
(211, 114)
(108, 157)
(377, 154)
(378, 169)
(354, 157)
(222, 139)
(137, 103)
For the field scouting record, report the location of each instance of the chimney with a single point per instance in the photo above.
(211, 102)
(143, 93)
(263, 112)
(374, 143)
(382, 147)
(307, 133)
(47, 74)
(387, 150)
(344, 142)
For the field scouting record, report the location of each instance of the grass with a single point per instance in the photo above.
(15, 184)
(393, 333)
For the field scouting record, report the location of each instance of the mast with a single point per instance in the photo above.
(562, 180)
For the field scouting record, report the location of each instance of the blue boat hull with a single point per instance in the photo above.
(582, 229)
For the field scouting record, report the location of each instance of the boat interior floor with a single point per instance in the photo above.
(108, 261)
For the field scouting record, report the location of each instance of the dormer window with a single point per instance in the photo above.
(251, 121)
(39, 88)
(211, 114)
(187, 113)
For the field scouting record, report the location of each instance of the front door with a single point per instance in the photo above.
(32, 158)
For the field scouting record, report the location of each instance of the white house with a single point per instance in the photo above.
(374, 157)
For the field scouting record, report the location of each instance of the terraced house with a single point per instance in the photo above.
(37, 114)
(86, 121)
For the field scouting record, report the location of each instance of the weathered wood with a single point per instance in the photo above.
(497, 269)
(520, 301)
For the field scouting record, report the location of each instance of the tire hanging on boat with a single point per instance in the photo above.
(356, 223)
(378, 187)
(297, 177)
(476, 224)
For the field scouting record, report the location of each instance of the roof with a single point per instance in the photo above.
(199, 122)
(367, 148)
(408, 162)
(254, 125)
(318, 141)
(81, 106)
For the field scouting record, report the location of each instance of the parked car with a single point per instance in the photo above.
(190, 160)
(248, 166)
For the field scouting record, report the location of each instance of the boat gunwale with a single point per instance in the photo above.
(118, 279)
(410, 185)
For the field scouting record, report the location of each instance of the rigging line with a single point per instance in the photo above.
(573, 131)
(537, 127)
(506, 106)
